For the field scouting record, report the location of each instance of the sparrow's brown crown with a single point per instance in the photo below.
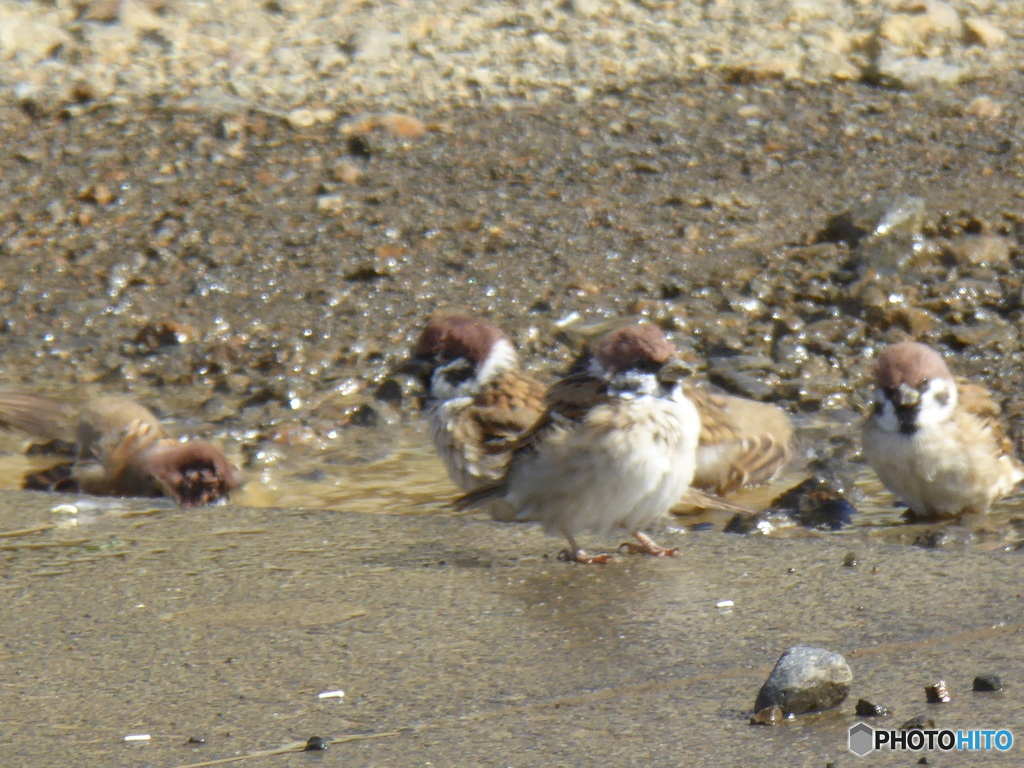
(910, 363)
(449, 336)
(635, 346)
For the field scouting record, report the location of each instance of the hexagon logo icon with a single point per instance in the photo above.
(862, 739)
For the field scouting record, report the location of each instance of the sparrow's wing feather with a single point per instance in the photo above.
(695, 499)
(733, 451)
(567, 401)
(36, 415)
(506, 408)
(978, 401)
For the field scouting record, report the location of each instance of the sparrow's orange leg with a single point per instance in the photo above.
(647, 546)
(575, 554)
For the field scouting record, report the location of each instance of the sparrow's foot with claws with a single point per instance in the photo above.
(575, 554)
(648, 546)
(579, 556)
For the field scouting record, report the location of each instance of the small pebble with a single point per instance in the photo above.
(806, 679)
(137, 737)
(315, 744)
(331, 695)
(768, 716)
(850, 561)
(866, 709)
(196, 739)
(987, 683)
(918, 723)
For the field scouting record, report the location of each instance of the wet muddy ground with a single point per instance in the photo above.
(255, 283)
(465, 642)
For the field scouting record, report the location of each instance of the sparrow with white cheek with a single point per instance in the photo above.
(742, 442)
(936, 442)
(478, 400)
(122, 450)
(615, 448)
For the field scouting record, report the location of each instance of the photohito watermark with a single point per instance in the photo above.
(864, 739)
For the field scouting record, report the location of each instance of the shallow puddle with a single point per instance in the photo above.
(411, 481)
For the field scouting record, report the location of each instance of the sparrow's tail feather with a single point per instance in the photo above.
(480, 497)
(35, 414)
(697, 499)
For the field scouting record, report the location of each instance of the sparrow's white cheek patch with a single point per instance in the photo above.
(937, 402)
(501, 358)
(635, 383)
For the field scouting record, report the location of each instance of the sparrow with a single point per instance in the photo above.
(478, 400)
(616, 446)
(935, 442)
(121, 450)
(742, 442)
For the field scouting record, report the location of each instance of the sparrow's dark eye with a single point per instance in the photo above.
(923, 385)
(942, 398)
(457, 373)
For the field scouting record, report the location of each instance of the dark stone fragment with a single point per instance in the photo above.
(758, 522)
(358, 146)
(315, 744)
(196, 739)
(390, 391)
(365, 416)
(918, 723)
(816, 503)
(867, 709)
(986, 683)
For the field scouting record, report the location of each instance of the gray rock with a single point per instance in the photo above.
(806, 680)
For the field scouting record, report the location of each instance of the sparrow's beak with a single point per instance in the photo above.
(674, 371)
(907, 396)
(420, 367)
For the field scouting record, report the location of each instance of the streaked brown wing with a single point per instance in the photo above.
(978, 401)
(752, 461)
(743, 447)
(36, 415)
(716, 428)
(567, 402)
(505, 409)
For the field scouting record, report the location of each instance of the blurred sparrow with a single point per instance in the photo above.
(935, 442)
(615, 448)
(478, 400)
(121, 450)
(742, 442)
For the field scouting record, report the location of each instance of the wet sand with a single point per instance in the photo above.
(463, 642)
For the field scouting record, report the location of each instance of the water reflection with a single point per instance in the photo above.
(411, 481)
